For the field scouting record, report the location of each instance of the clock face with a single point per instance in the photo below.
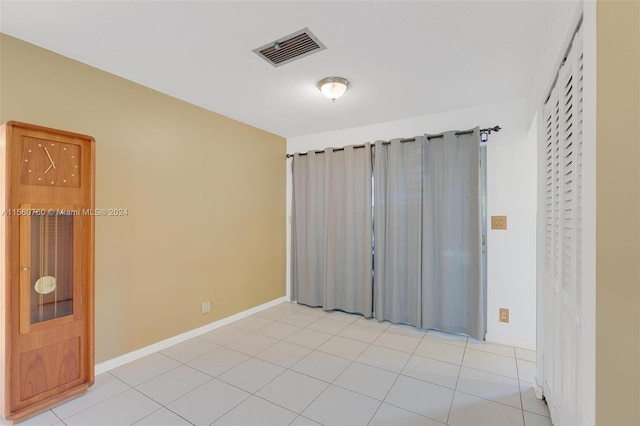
(50, 163)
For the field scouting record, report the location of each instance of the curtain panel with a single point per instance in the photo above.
(331, 230)
(452, 290)
(422, 224)
(398, 170)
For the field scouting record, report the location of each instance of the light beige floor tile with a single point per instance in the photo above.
(293, 391)
(343, 347)
(398, 342)
(48, 418)
(440, 351)
(208, 403)
(468, 410)
(173, 384)
(322, 366)
(251, 344)
(274, 313)
(337, 406)
(123, 409)
(252, 323)
(217, 362)
(531, 419)
(303, 421)
(278, 330)
(452, 339)
(284, 354)
(256, 411)
(385, 358)
(328, 325)
(526, 354)
(526, 370)
(432, 371)
(420, 397)
(105, 386)
(224, 335)
(492, 348)
(318, 312)
(308, 338)
(369, 381)
(361, 333)
(530, 402)
(163, 417)
(189, 350)
(143, 369)
(491, 363)
(490, 386)
(407, 330)
(251, 375)
(372, 322)
(299, 319)
(388, 415)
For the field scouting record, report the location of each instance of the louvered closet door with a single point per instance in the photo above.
(561, 169)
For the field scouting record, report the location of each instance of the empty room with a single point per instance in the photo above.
(320, 212)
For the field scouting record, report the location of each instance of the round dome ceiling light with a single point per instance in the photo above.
(333, 87)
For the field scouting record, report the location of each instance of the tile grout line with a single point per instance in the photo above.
(396, 380)
(161, 407)
(520, 390)
(455, 389)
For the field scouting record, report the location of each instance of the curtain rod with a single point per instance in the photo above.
(438, 136)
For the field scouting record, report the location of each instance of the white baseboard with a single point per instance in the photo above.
(510, 341)
(148, 350)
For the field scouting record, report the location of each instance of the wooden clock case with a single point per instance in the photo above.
(47, 181)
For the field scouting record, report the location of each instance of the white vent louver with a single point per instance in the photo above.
(290, 48)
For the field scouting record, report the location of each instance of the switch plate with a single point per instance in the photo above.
(498, 222)
(205, 308)
(504, 315)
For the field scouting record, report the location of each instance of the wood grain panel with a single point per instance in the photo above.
(48, 367)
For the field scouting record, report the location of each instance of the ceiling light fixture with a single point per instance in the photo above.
(333, 87)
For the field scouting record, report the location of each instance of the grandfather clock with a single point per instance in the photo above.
(47, 184)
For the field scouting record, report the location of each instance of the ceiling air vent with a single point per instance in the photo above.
(290, 48)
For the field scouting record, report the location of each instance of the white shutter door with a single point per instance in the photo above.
(551, 142)
(560, 167)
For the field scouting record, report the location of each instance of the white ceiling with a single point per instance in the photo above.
(403, 59)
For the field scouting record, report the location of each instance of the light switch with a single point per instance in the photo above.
(498, 222)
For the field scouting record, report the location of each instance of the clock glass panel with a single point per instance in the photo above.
(51, 274)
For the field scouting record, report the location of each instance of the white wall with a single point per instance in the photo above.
(556, 39)
(511, 191)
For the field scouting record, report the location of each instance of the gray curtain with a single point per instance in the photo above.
(427, 233)
(331, 259)
(398, 231)
(452, 290)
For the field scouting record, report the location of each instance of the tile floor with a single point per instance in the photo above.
(295, 365)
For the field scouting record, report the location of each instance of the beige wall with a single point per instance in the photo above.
(205, 194)
(618, 213)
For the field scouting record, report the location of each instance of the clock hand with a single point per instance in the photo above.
(53, 163)
(50, 165)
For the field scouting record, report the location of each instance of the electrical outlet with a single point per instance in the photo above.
(498, 222)
(504, 315)
(205, 308)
